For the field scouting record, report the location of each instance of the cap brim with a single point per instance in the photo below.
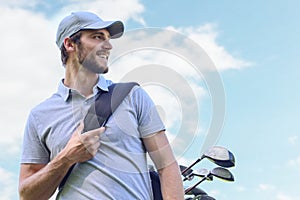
(115, 28)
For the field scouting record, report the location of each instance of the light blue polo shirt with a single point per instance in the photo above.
(119, 169)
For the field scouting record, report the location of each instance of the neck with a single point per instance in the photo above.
(80, 79)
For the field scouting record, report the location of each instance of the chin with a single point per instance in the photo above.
(99, 71)
(96, 68)
(105, 70)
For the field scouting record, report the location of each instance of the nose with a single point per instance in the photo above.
(107, 45)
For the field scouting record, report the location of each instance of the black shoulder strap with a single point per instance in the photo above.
(106, 104)
(103, 107)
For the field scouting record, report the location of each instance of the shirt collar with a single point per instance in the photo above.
(65, 91)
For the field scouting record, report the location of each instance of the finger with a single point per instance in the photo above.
(93, 148)
(95, 132)
(91, 137)
(80, 127)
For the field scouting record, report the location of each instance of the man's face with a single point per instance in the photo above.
(94, 50)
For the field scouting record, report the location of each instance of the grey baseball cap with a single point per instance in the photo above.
(77, 21)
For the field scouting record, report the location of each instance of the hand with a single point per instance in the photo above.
(83, 146)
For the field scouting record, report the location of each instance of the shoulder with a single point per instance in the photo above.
(138, 92)
(141, 97)
(44, 107)
(59, 97)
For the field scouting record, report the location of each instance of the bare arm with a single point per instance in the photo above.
(161, 153)
(39, 181)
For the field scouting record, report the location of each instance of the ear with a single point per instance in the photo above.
(69, 44)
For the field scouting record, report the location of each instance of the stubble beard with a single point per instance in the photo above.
(89, 61)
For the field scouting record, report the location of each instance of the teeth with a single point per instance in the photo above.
(103, 56)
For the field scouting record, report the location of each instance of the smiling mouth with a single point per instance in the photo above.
(103, 55)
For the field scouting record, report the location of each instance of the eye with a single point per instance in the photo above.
(99, 37)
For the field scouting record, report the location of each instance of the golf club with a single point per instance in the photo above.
(186, 173)
(218, 172)
(218, 155)
(196, 191)
(190, 174)
(203, 197)
(198, 194)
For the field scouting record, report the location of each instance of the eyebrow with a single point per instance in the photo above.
(101, 33)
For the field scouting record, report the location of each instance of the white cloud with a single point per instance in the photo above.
(172, 84)
(30, 69)
(173, 49)
(295, 162)
(282, 196)
(241, 188)
(206, 36)
(214, 193)
(8, 189)
(178, 61)
(108, 9)
(293, 139)
(266, 187)
(18, 3)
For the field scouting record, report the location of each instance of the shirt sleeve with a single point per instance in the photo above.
(149, 121)
(34, 150)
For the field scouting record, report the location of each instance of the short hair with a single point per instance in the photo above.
(64, 54)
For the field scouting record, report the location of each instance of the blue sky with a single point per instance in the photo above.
(254, 46)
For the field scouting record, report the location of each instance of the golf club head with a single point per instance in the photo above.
(203, 173)
(197, 191)
(220, 156)
(203, 197)
(222, 173)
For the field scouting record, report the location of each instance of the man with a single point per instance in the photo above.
(110, 162)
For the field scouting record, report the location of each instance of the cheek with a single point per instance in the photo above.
(83, 55)
(80, 54)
